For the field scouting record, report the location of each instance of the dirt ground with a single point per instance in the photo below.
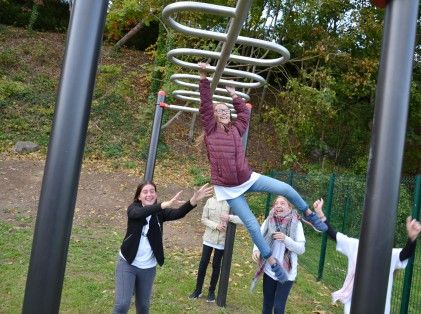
(102, 200)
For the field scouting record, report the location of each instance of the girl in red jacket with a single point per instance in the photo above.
(231, 174)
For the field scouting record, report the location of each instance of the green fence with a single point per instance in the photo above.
(344, 201)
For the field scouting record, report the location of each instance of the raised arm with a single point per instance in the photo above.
(243, 112)
(206, 107)
(177, 213)
(413, 229)
(137, 211)
(318, 209)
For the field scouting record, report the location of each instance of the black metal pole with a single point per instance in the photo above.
(221, 299)
(153, 145)
(65, 151)
(385, 162)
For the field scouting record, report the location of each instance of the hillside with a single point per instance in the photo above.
(120, 121)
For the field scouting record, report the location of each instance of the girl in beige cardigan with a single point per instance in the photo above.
(215, 217)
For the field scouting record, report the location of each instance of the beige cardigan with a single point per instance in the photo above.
(211, 219)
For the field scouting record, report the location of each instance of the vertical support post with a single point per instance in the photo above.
(406, 290)
(385, 160)
(241, 11)
(65, 151)
(221, 299)
(324, 236)
(153, 145)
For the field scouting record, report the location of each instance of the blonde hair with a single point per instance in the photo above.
(280, 196)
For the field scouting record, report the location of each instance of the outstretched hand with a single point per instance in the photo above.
(204, 191)
(413, 228)
(231, 91)
(172, 202)
(318, 208)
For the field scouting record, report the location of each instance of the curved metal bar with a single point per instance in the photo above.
(220, 90)
(176, 78)
(194, 96)
(229, 12)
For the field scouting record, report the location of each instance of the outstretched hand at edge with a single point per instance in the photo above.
(172, 202)
(318, 209)
(204, 191)
(413, 228)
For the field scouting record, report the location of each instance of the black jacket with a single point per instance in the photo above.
(137, 214)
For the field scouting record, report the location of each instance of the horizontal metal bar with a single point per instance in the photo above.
(176, 78)
(186, 109)
(195, 96)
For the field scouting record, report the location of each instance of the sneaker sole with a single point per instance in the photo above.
(210, 301)
(311, 225)
(191, 298)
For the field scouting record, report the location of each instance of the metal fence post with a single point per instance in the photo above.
(324, 237)
(406, 290)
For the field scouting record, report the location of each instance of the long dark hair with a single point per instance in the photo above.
(140, 188)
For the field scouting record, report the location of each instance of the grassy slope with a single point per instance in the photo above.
(121, 118)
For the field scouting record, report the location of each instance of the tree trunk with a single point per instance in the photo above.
(129, 35)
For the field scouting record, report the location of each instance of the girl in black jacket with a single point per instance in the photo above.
(142, 247)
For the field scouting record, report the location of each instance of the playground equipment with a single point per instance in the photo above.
(65, 151)
(243, 79)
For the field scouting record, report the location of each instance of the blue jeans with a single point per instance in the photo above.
(241, 208)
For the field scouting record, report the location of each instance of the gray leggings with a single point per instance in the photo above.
(129, 279)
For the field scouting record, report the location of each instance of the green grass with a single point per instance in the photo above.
(89, 278)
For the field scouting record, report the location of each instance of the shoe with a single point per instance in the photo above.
(280, 273)
(315, 222)
(211, 297)
(195, 295)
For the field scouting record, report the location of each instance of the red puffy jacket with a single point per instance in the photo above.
(228, 162)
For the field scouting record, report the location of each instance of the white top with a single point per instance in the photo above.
(224, 193)
(349, 247)
(144, 257)
(296, 247)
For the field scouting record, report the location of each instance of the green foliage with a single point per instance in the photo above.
(200, 175)
(48, 15)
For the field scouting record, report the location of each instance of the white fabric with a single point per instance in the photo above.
(224, 193)
(349, 247)
(214, 245)
(296, 247)
(145, 258)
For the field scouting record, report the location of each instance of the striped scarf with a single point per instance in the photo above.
(286, 224)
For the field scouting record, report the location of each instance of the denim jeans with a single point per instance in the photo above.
(241, 208)
(129, 279)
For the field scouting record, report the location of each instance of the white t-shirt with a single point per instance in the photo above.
(144, 257)
(224, 193)
(349, 247)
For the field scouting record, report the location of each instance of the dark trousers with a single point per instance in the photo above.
(275, 295)
(203, 265)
